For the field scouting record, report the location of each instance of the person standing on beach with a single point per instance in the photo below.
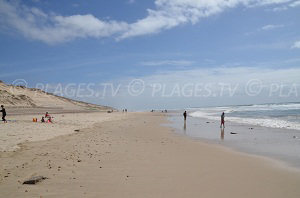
(222, 120)
(184, 115)
(3, 113)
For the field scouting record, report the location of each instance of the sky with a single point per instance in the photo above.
(154, 54)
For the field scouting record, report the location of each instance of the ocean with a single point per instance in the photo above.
(280, 115)
(271, 130)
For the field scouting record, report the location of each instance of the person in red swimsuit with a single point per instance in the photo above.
(47, 115)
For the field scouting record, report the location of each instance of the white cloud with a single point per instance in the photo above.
(75, 5)
(280, 8)
(52, 28)
(271, 27)
(131, 1)
(285, 7)
(173, 13)
(296, 44)
(265, 28)
(160, 86)
(295, 4)
(168, 62)
(268, 2)
(229, 75)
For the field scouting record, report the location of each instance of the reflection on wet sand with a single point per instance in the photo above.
(184, 127)
(222, 133)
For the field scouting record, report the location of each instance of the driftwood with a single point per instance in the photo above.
(34, 180)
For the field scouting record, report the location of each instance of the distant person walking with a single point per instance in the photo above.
(3, 113)
(184, 116)
(222, 120)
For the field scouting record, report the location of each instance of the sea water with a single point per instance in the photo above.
(281, 115)
(271, 130)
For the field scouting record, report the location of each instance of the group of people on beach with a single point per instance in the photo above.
(47, 116)
(43, 120)
(163, 111)
(222, 119)
(124, 110)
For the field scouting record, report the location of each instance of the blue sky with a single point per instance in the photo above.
(176, 43)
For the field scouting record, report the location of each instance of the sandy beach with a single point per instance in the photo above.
(150, 99)
(132, 155)
(20, 127)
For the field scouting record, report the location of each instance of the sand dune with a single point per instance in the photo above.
(23, 97)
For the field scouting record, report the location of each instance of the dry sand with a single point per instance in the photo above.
(20, 128)
(134, 156)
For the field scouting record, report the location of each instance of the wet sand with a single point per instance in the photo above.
(276, 143)
(134, 156)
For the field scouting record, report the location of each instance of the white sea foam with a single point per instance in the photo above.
(267, 121)
(261, 107)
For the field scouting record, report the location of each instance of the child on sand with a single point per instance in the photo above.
(43, 119)
(3, 113)
(49, 120)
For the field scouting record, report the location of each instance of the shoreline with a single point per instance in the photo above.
(135, 156)
(277, 144)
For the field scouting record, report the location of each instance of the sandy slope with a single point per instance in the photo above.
(18, 96)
